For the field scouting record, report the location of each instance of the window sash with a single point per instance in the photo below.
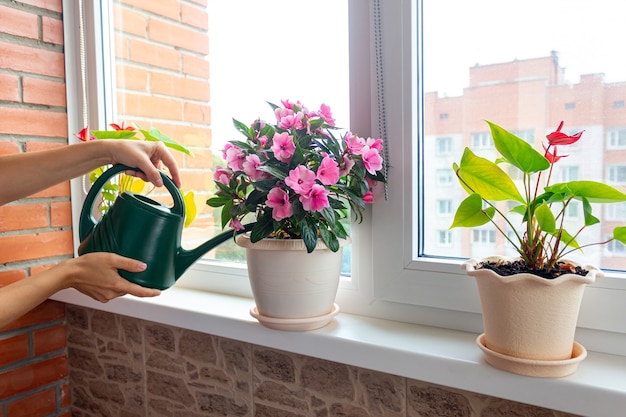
(391, 278)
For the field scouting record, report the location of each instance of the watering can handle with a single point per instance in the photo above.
(88, 222)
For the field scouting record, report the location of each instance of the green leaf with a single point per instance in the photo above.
(566, 238)
(545, 218)
(481, 176)
(217, 201)
(114, 134)
(595, 192)
(243, 128)
(226, 213)
(330, 240)
(277, 172)
(590, 219)
(308, 231)
(517, 151)
(154, 135)
(619, 234)
(263, 227)
(470, 213)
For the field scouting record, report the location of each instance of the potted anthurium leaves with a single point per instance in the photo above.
(299, 181)
(530, 303)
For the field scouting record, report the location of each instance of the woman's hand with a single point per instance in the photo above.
(96, 275)
(148, 157)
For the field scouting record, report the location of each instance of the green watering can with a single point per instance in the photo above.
(141, 228)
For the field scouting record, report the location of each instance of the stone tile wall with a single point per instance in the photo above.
(121, 366)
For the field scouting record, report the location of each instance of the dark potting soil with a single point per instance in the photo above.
(518, 266)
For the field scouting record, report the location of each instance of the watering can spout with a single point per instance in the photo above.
(186, 258)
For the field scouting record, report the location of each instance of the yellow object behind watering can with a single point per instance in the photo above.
(141, 228)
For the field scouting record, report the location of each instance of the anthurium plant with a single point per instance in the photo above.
(541, 239)
(297, 177)
(124, 182)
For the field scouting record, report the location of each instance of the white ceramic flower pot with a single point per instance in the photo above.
(289, 283)
(529, 317)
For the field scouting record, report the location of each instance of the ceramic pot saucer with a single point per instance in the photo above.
(532, 367)
(295, 325)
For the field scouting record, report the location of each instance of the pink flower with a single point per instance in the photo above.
(375, 143)
(372, 160)
(235, 158)
(348, 163)
(283, 147)
(328, 171)
(250, 167)
(85, 135)
(368, 197)
(235, 224)
(300, 179)
(222, 175)
(354, 143)
(278, 200)
(263, 140)
(326, 114)
(316, 199)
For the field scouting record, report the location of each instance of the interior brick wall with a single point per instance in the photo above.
(35, 232)
(122, 366)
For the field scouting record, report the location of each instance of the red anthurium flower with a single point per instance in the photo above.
(121, 127)
(552, 157)
(85, 135)
(559, 138)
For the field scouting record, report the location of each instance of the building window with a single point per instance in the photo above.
(445, 177)
(482, 140)
(483, 236)
(443, 116)
(569, 173)
(528, 135)
(616, 211)
(617, 174)
(444, 238)
(618, 104)
(444, 145)
(572, 211)
(614, 248)
(444, 207)
(570, 106)
(616, 138)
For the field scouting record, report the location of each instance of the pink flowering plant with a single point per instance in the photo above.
(297, 176)
(542, 241)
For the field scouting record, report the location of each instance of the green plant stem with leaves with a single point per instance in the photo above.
(543, 240)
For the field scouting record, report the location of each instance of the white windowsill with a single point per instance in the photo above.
(440, 356)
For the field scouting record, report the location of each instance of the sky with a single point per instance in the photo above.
(298, 51)
(588, 36)
(298, 48)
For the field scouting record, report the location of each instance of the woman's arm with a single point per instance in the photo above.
(26, 173)
(93, 274)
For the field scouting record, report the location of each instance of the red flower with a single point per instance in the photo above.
(121, 127)
(85, 135)
(559, 138)
(552, 158)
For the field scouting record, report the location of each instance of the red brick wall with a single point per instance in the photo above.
(34, 232)
(162, 76)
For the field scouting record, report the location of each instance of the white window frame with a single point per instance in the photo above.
(390, 279)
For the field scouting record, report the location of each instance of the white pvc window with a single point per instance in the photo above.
(395, 274)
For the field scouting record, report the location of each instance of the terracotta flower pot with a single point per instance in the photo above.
(289, 283)
(529, 317)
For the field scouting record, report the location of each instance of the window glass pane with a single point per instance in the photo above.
(190, 69)
(527, 80)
